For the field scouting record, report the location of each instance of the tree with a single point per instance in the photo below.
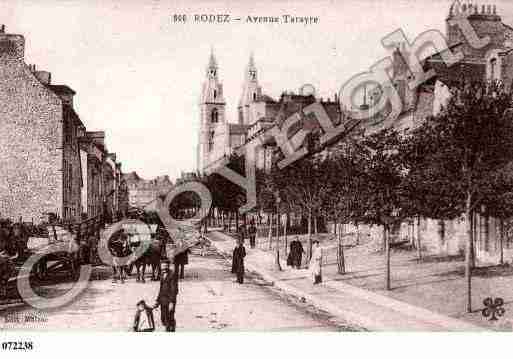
(459, 154)
(302, 185)
(380, 190)
(343, 168)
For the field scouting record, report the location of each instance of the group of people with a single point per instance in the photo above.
(295, 258)
(13, 239)
(248, 232)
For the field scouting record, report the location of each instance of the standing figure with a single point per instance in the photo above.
(252, 233)
(181, 259)
(298, 257)
(242, 234)
(315, 263)
(166, 298)
(238, 261)
(20, 240)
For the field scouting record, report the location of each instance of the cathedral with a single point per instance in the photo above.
(217, 136)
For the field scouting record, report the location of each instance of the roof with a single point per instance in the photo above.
(69, 112)
(472, 72)
(61, 89)
(237, 129)
(267, 99)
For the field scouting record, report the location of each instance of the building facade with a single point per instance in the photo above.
(143, 193)
(50, 163)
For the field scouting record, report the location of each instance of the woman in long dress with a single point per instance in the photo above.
(315, 263)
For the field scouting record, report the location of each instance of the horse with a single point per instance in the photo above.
(151, 256)
(119, 248)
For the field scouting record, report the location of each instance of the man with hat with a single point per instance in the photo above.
(166, 298)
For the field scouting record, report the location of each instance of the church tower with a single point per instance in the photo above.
(251, 92)
(212, 114)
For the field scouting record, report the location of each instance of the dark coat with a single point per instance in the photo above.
(238, 259)
(252, 231)
(168, 289)
(182, 257)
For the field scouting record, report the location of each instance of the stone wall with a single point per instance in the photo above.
(31, 143)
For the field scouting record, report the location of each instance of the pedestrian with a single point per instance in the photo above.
(20, 240)
(238, 261)
(315, 263)
(7, 270)
(298, 253)
(252, 233)
(167, 296)
(242, 234)
(143, 321)
(181, 259)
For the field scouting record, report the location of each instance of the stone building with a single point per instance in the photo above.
(50, 163)
(40, 158)
(143, 193)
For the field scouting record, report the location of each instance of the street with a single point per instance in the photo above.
(209, 300)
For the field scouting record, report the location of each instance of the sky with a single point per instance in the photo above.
(138, 74)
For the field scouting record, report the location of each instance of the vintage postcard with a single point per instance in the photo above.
(297, 166)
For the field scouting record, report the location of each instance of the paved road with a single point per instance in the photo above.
(209, 300)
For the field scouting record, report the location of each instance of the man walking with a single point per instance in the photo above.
(238, 261)
(181, 259)
(252, 233)
(166, 298)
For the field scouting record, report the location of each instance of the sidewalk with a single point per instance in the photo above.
(360, 307)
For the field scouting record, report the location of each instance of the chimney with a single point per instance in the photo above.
(44, 77)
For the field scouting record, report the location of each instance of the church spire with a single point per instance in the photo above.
(251, 74)
(212, 65)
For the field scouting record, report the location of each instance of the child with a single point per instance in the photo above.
(143, 321)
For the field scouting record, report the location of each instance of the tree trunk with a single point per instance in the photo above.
(340, 255)
(335, 227)
(419, 243)
(285, 233)
(277, 257)
(315, 227)
(386, 239)
(357, 234)
(236, 221)
(309, 235)
(468, 254)
(270, 236)
(501, 241)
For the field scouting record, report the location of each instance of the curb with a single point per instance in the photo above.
(445, 323)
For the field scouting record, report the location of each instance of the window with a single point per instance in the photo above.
(493, 69)
(254, 96)
(211, 141)
(214, 117)
(215, 94)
